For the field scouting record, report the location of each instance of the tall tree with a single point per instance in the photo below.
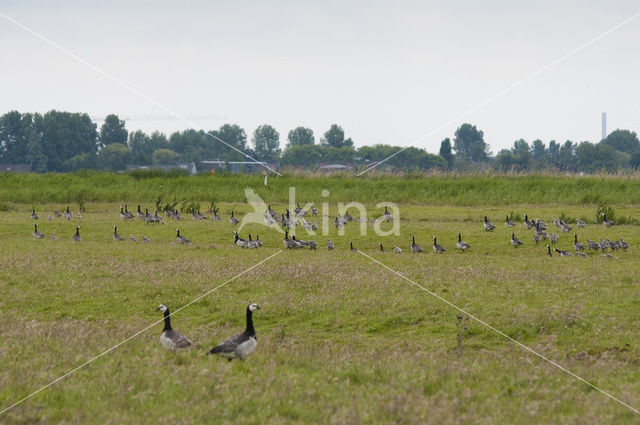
(113, 131)
(469, 143)
(334, 137)
(115, 157)
(623, 140)
(65, 135)
(301, 136)
(445, 152)
(266, 142)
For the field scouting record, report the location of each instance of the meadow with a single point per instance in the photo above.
(341, 339)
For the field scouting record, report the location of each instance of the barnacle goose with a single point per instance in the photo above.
(488, 226)
(116, 236)
(241, 345)
(77, 237)
(437, 248)
(515, 241)
(330, 244)
(171, 339)
(415, 248)
(508, 222)
(463, 246)
(36, 233)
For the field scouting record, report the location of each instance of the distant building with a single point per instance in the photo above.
(15, 168)
(334, 167)
(189, 166)
(208, 166)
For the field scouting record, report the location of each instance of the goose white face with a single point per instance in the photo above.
(254, 307)
(162, 308)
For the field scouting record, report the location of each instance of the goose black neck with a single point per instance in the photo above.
(250, 331)
(167, 321)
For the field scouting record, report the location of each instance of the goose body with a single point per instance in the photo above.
(233, 220)
(241, 345)
(289, 243)
(132, 238)
(488, 226)
(182, 239)
(437, 248)
(508, 222)
(352, 248)
(577, 245)
(116, 236)
(563, 253)
(382, 248)
(515, 241)
(415, 248)
(34, 216)
(330, 244)
(67, 214)
(461, 245)
(37, 234)
(554, 238)
(77, 237)
(145, 239)
(397, 249)
(528, 223)
(242, 243)
(607, 223)
(549, 254)
(387, 214)
(581, 224)
(170, 338)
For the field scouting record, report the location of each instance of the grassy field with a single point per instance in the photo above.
(340, 338)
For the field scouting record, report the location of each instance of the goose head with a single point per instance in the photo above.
(253, 307)
(162, 308)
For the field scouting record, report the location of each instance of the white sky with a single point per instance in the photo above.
(388, 72)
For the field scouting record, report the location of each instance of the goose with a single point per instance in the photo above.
(387, 214)
(122, 214)
(314, 211)
(515, 241)
(623, 244)
(182, 239)
(258, 241)
(251, 243)
(528, 223)
(382, 248)
(554, 238)
(36, 233)
(415, 248)
(582, 254)
(241, 345)
(508, 222)
(139, 212)
(592, 244)
(564, 227)
(488, 226)
(299, 244)
(34, 216)
(132, 238)
(77, 237)
(352, 248)
(54, 237)
(215, 216)
(577, 245)
(289, 243)
(563, 253)
(50, 218)
(607, 223)
(397, 249)
(607, 256)
(233, 220)
(242, 243)
(145, 239)
(78, 215)
(604, 245)
(67, 214)
(126, 211)
(581, 224)
(310, 243)
(116, 236)
(463, 246)
(536, 238)
(171, 339)
(437, 248)
(542, 234)
(330, 244)
(549, 254)
(57, 213)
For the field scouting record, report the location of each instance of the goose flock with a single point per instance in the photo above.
(290, 220)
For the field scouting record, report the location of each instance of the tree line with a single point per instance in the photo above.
(63, 141)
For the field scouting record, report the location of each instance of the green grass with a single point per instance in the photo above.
(418, 189)
(341, 339)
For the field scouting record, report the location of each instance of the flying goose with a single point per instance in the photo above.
(488, 226)
(233, 220)
(352, 248)
(563, 253)
(463, 246)
(34, 216)
(36, 233)
(508, 222)
(577, 245)
(77, 237)
(437, 248)
(415, 248)
(170, 339)
(116, 236)
(515, 241)
(330, 244)
(241, 345)
(182, 239)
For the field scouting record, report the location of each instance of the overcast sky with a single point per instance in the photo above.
(388, 72)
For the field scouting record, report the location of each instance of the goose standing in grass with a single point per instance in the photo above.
(78, 215)
(139, 212)
(34, 216)
(182, 239)
(437, 248)
(36, 233)
(242, 243)
(582, 254)
(623, 244)
(528, 223)
(515, 241)
(50, 218)
(171, 339)
(508, 222)
(563, 253)
(604, 245)
(607, 223)
(577, 245)
(352, 248)
(77, 237)
(488, 226)
(57, 213)
(233, 220)
(554, 238)
(581, 224)
(549, 254)
(415, 248)
(536, 238)
(592, 244)
(387, 214)
(382, 248)
(132, 238)
(122, 214)
(289, 243)
(145, 239)
(258, 241)
(330, 244)
(241, 345)
(68, 214)
(116, 236)
(252, 244)
(397, 249)
(54, 237)
(461, 245)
